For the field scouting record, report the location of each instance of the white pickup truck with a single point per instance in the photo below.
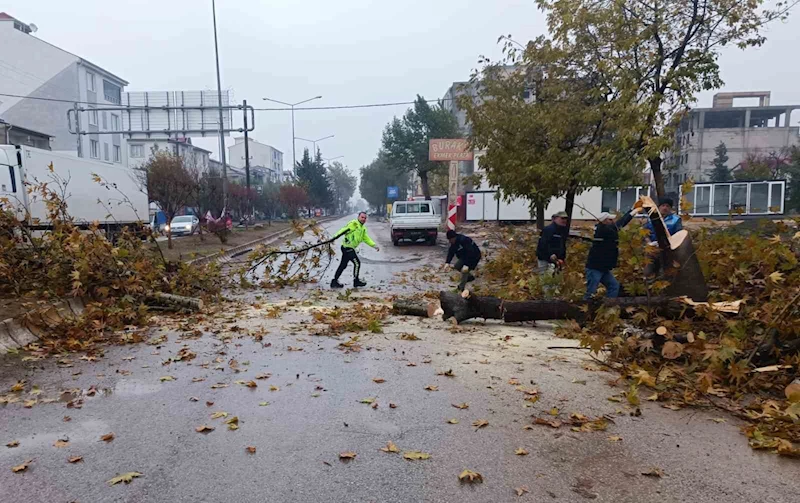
(415, 220)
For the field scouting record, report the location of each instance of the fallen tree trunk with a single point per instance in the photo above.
(175, 301)
(494, 308)
(410, 307)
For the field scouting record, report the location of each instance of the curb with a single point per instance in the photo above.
(227, 255)
(14, 333)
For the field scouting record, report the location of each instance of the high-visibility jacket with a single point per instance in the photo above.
(355, 233)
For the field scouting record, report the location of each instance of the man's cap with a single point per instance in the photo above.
(666, 200)
(451, 234)
(562, 214)
(602, 217)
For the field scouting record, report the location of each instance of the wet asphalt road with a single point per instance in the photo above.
(315, 414)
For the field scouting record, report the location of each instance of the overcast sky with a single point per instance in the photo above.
(348, 51)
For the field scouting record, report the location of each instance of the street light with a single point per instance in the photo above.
(292, 105)
(315, 141)
(332, 158)
(219, 99)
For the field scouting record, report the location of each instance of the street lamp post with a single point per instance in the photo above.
(221, 124)
(292, 105)
(315, 141)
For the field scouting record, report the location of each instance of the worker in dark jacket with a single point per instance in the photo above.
(552, 248)
(467, 253)
(604, 254)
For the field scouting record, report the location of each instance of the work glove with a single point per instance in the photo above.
(446, 266)
(465, 268)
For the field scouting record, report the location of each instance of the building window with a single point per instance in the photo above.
(115, 123)
(137, 151)
(92, 117)
(90, 81)
(105, 151)
(94, 149)
(105, 120)
(112, 92)
(117, 153)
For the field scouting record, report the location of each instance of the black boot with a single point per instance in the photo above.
(357, 283)
(335, 283)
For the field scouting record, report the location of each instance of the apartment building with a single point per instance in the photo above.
(32, 69)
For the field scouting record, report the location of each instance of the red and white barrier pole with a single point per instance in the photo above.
(451, 216)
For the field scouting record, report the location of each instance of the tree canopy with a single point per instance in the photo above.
(343, 186)
(376, 177)
(313, 177)
(405, 141)
(720, 173)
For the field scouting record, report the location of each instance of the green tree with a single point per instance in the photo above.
(268, 201)
(376, 177)
(720, 173)
(405, 141)
(343, 185)
(793, 184)
(313, 177)
(657, 55)
(542, 121)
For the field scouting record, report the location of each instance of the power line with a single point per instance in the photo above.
(336, 107)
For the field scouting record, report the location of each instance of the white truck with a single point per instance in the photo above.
(414, 220)
(22, 166)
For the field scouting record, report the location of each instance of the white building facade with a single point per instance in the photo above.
(261, 154)
(33, 68)
(141, 150)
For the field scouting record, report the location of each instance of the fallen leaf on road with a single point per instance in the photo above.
(198, 379)
(452, 421)
(29, 403)
(719, 420)
(13, 443)
(22, 467)
(209, 404)
(614, 399)
(315, 395)
(274, 388)
(521, 490)
(411, 364)
(75, 459)
(374, 405)
(426, 360)
(233, 423)
(521, 452)
(672, 350)
(527, 427)
(553, 423)
(264, 376)
(464, 405)
(219, 414)
(447, 373)
(219, 385)
(415, 455)
(392, 405)
(484, 362)
(652, 398)
(408, 337)
(480, 423)
(378, 380)
(204, 429)
(366, 400)
(108, 437)
(579, 381)
(251, 449)
(292, 348)
(263, 404)
(470, 477)
(66, 419)
(554, 411)
(344, 456)
(166, 378)
(615, 439)
(432, 388)
(390, 447)
(194, 399)
(61, 443)
(513, 381)
(125, 477)
(19, 386)
(654, 472)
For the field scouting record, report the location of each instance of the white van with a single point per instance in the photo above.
(414, 220)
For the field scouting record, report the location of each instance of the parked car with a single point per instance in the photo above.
(414, 220)
(184, 225)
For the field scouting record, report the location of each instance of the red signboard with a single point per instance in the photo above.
(449, 150)
(459, 201)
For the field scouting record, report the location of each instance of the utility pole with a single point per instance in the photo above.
(221, 124)
(246, 148)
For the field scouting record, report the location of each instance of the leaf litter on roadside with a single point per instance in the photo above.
(125, 477)
(415, 455)
(470, 477)
(390, 447)
(22, 467)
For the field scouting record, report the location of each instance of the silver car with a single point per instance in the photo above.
(184, 225)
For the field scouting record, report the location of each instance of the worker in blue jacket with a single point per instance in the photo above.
(604, 254)
(673, 223)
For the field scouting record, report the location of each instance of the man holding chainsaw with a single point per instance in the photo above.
(552, 248)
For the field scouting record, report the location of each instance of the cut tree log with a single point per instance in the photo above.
(680, 265)
(175, 301)
(410, 307)
(494, 308)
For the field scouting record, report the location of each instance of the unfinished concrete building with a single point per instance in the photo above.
(753, 129)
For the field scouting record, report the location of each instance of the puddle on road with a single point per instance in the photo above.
(75, 432)
(135, 388)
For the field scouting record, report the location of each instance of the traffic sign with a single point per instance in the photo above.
(392, 192)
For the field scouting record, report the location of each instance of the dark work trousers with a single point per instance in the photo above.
(466, 277)
(348, 255)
